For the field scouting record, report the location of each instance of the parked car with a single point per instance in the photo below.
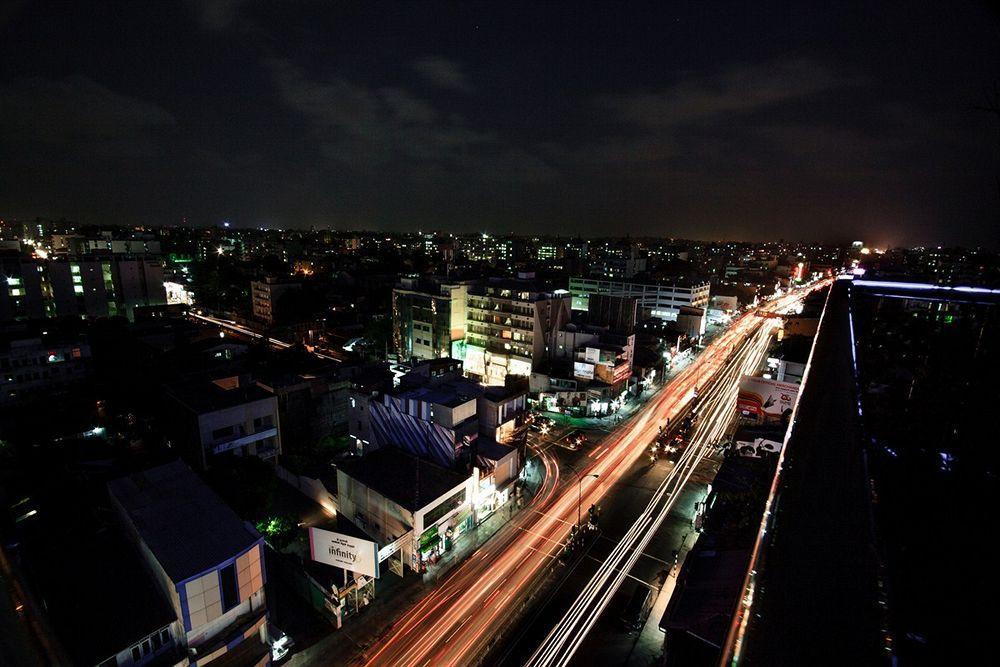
(637, 608)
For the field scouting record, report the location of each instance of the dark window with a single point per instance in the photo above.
(220, 433)
(165, 636)
(446, 506)
(230, 591)
(136, 654)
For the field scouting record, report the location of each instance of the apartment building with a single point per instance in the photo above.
(428, 317)
(36, 365)
(509, 329)
(79, 286)
(265, 294)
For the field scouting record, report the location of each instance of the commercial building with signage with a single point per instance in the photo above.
(208, 563)
(766, 400)
(662, 301)
(392, 495)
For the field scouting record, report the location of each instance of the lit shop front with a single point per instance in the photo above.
(442, 522)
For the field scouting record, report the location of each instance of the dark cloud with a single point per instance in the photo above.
(382, 127)
(79, 116)
(738, 90)
(443, 73)
(216, 14)
(685, 120)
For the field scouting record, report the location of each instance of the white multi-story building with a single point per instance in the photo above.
(223, 417)
(79, 286)
(660, 301)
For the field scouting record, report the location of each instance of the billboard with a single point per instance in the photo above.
(726, 303)
(757, 447)
(765, 399)
(344, 551)
(583, 370)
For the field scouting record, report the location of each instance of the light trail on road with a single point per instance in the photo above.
(458, 621)
(715, 413)
(250, 333)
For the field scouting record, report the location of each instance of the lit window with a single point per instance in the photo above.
(78, 289)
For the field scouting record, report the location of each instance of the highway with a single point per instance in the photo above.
(714, 414)
(467, 613)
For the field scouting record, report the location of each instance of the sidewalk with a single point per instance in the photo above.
(608, 422)
(342, 647)
(469, 541)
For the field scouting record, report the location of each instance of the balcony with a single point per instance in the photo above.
(239, 439)
(494, 307)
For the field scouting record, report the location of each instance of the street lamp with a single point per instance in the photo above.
(579, 493)
(579, 489)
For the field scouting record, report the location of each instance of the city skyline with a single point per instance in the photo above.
(812, 124)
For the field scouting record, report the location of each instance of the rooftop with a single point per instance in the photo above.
(707, 595)
(201, 396)
(491, 449)
(403, 478)
(105, 579)
(184, 523)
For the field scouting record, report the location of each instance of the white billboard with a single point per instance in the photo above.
(339, 550)
(583, 370)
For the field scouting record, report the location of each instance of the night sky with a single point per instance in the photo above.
(821, 121)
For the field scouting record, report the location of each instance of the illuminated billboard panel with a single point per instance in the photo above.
(766, 399)
(344, 551)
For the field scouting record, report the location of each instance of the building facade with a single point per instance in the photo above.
(83, 286)
(39, 367)
(432, 422)
(428, 318)
(510, 325)
(435, 414)
(659, 301)
(224, 417)
(265, 294)
(395, 497)
(208, 563)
